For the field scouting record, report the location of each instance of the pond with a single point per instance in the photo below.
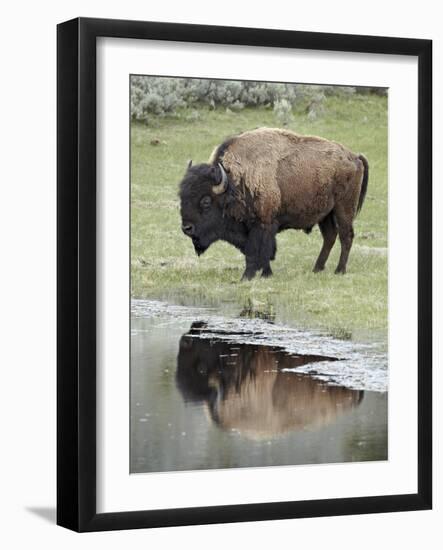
(210, 389)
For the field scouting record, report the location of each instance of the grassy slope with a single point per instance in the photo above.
(163, 261)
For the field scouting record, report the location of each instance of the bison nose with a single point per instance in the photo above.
(188, 229)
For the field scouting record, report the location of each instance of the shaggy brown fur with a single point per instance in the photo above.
(298, 181)
(279, 167)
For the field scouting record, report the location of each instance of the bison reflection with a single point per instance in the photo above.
(245, 389)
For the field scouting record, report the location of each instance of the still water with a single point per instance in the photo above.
(215, 392)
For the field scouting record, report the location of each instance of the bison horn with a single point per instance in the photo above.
(222, 186)
(189, 164)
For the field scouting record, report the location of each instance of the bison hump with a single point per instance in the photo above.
(252, 161)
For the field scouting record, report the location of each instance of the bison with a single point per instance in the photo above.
(244, 387)
(264, 181)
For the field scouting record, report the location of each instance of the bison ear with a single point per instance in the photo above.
(189, 164)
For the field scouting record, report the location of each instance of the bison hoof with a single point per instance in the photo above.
(318, 268)
(248, 275)
(340, 271)
(267, 272)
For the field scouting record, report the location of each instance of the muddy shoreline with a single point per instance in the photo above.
(356, 365)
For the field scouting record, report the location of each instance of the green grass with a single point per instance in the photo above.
(163, 262)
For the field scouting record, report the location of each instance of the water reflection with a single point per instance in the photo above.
(244, 388)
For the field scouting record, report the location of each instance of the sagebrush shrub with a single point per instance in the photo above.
(158, 96)
(283, 111)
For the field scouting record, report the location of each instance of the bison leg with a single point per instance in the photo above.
(274, 248)
(346, 234)
(329, 232)
(268, 252)
(259, 250)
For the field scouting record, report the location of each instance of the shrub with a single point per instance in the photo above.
(158, 96)
(161, 95)
(283, 111)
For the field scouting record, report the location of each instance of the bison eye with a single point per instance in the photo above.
(205, 202)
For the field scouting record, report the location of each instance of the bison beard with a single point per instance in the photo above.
(199, 249)
(265, 181)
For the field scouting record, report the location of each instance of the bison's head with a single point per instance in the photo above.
(203, 194)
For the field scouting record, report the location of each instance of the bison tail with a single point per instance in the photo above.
(364, 183)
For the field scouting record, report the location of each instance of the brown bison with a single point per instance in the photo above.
(267, 180)
(244, 387)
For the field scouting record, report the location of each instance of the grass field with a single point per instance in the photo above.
(163, 262)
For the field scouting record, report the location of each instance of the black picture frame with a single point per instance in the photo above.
(76, 280)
